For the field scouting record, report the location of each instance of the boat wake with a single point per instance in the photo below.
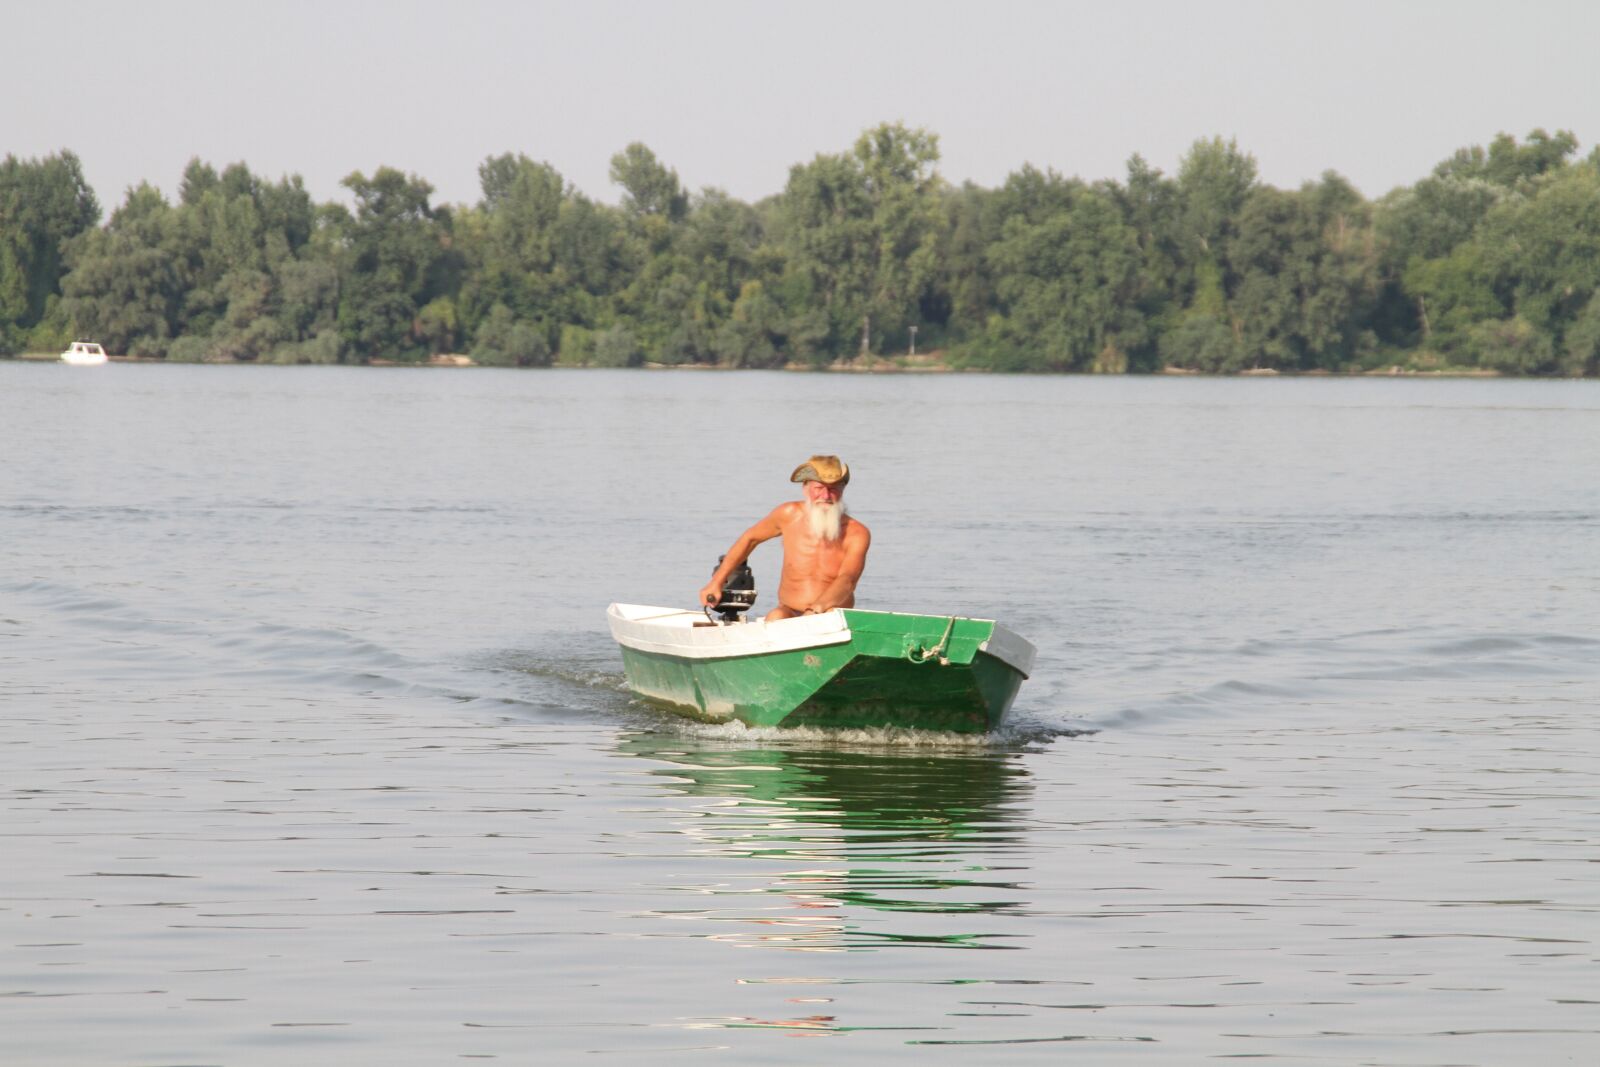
(141, 637)
(1022, 733)
(137, 644)
(578, 672)
(1313, 676)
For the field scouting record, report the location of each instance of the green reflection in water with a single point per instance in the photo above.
(845, 837)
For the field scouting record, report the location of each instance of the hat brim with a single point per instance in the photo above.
(806, 472)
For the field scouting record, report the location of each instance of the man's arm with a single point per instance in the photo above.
(842, 590)
(765, 530)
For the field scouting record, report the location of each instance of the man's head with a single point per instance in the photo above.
(822, 480)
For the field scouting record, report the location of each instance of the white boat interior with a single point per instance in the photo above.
(691, 635)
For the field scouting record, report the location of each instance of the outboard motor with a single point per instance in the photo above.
(738, 592)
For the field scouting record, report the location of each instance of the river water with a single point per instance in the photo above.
(316, 749)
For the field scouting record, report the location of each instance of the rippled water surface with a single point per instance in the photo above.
(315, 747)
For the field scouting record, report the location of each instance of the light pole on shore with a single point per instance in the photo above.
(913, 340)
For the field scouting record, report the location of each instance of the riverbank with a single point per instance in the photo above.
(922, 363)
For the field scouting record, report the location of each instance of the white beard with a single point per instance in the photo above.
(825, 521)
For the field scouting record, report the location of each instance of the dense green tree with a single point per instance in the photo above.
(860, 231)
(1452, 293)
(1150, 205)
(1201, 341)
(1492, 260)
(1214, 180)
(124, 285)
(1514, 345)
(224, 278)
(1502, 249)
(965, 294)
(1189, 224)
(44, 204)
(680, 296)
(1067, 271)
(1581, 345)
(1543, 249)
(1420, 230)
(1509, 164)
(235, 236)
(1431, 218)
(721, 241)
(505, 341)
(509, 241)
(649, 187)
(1305, 266)
(750, 336)
(830, 252)
(398, 259)
(308, 309)
(615, 346)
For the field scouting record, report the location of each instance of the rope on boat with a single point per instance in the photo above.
(925, 655)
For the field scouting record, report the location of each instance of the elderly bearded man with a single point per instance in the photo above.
(824, 549)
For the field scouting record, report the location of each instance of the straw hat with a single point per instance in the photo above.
(830, 470)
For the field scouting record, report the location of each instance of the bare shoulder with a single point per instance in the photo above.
(786, 512)
(771, 524)
(856, 530)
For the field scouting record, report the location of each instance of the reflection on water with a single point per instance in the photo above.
(858, 845)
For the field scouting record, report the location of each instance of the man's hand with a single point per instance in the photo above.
(711, 594)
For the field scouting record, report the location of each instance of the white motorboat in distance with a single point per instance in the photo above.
(84, 354)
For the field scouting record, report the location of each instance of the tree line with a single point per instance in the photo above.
(1491, 262)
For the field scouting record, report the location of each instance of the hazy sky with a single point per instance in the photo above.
(732, 94)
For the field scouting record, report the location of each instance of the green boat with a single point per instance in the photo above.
(841, 669)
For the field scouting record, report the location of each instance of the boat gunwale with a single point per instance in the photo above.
(683, 639)
(650, 633)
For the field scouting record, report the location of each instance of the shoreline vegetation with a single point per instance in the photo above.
(867, 261)
(930, 363)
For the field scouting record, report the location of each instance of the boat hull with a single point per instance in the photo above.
(846, 669)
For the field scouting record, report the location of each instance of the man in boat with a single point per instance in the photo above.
(824, 548)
